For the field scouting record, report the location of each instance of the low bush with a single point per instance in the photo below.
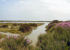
(58, 39)
(13, 43)
(2, 36)
(25, 28)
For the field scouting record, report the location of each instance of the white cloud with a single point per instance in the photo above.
(57, 9)
(21, 1)
(39, 10)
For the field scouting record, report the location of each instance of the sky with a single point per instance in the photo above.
(35, 10)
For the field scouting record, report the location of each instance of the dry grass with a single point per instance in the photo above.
(1, 49)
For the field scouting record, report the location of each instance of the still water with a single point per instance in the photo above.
(33, 36)
(35, 33)
(23, 22)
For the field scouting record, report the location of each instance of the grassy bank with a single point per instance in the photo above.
(20, 43)
(18, 28)
(56, 38)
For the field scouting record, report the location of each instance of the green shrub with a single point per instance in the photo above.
(55, 40)
(15, 43)
(2, 36)
(25, 28)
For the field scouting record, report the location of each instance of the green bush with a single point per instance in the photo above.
(15, 43)
(58, 39)
(2, 36)
(25, 28)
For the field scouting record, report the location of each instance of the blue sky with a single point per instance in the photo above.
(34, 10)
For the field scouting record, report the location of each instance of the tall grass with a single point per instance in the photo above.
(13, 43)
(58, 39)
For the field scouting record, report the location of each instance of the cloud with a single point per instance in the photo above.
(58, 7)
(37, 10)
(21, 1)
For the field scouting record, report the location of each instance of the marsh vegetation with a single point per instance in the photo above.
(18, 28)
(55, 37)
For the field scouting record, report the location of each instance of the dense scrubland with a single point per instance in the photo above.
(14, 42)
(57, 37)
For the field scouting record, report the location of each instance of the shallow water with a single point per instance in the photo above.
(9, 34)
(22, 22)
(35, 33)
